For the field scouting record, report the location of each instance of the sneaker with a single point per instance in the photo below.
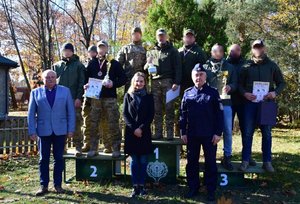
(59, 189)
(91, 153)
(42, 191)
(191, 193)
(267, 166)
(226, 163)
(211, 196)
(244, 166)
(135, 192)
(78, 152)
(143, 191)
(252, 162)
(107, 150)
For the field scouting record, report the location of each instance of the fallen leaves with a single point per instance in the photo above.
(224, 200)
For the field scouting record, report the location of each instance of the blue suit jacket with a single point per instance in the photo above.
(44, 120)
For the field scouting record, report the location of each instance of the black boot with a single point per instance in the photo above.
(135, 192)
(143, 191)
(211, 196)
(191, 193)
(226, 163)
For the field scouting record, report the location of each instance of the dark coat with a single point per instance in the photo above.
(138, 117)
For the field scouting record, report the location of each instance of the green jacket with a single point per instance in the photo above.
(190, 56)
(215, 77)
(167, 62)
(266, 71)
(71, 73)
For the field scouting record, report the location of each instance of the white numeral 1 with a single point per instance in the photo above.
(156, 153)
(94, 173)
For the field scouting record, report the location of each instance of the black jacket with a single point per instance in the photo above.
(190, 56)
(267, 71)
(116, 75)
(236, 97)
(214, 78)
(138, 117)
(167, 61)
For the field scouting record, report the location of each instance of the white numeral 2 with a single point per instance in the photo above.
(94, 173)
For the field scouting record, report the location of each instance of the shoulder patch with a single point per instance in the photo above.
(188, 89)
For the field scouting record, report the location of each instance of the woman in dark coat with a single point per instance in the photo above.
(138, 115)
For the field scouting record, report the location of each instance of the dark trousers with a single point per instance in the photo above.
(192, 167)
(238, 110)
(138, 167)
(250, 123)
(57, 143)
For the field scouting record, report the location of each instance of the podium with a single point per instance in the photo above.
(234, 177)
(164, 162)
(97, 168)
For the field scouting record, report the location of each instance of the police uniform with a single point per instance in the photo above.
(201, 117)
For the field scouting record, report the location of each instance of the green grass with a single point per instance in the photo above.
(19, 180)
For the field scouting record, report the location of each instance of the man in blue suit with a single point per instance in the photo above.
(51, 117)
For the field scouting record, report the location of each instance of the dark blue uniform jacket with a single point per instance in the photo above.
(201, 112)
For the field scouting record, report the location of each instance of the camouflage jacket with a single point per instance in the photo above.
(132, 57)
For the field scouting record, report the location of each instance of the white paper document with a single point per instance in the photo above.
(95, 87)
(171, 95)
(260, 89)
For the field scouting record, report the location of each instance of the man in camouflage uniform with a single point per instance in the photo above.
(71, 73)
(106, 107)
(165, 58)
(86, 106)
(132, 57)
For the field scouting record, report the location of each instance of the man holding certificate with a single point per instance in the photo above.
(105, 76)
(260, 80)
(164, 67)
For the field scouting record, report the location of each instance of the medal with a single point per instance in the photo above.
(100, 68)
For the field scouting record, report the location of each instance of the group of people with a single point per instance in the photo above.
(213, 91)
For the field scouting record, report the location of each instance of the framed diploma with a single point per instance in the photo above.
(94, 90)
(260, 89)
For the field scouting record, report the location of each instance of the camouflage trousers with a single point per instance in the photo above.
(77, 139)
(159, 88)
(85, 128)
(105, 109)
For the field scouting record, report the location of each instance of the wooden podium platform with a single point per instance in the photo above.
(97, 168)
(234, 177)
(164, 163)
(163, 166)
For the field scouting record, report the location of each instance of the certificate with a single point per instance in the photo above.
(260, 89)
(171, 95)
(94, 90)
